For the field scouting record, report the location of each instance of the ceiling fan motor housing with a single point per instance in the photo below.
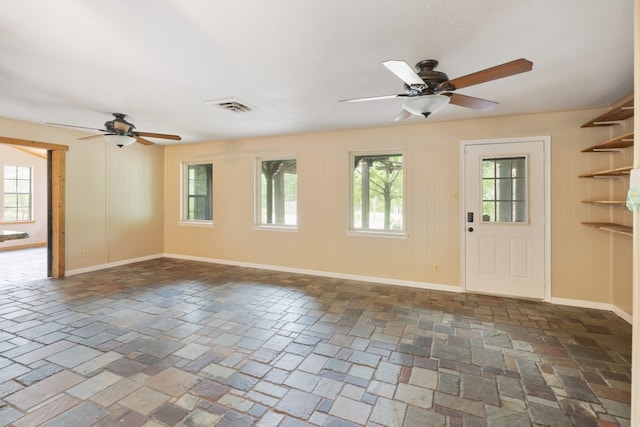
(119, 125)
(431, 78)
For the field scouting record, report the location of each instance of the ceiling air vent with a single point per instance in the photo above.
(232, 104)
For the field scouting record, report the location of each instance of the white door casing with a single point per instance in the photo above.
(507, 252)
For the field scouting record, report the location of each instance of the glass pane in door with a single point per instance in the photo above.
(504, 190)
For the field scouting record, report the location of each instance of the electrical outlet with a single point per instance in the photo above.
(436, 267)
(85, 252)
(453, 196)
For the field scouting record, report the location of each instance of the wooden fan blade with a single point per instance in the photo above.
(73, 126)
(402, 115)
(90, 137)
(404, 72)
(470, 102)
(158, 135)
(499, 71)
(144, 141)
(373, 98)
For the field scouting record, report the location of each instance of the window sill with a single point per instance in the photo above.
(30, 221)
(290, 228)
(208, 224)
(376, 233)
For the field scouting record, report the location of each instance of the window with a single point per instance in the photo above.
(277, 192)
(198, 192)
(17, 193)
(504, 189)
(377, 197)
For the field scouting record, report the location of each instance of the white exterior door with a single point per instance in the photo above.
(504, 206)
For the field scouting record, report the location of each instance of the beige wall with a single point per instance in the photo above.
(114, 197)
(37, 229)
(114, 203)
(587, 264)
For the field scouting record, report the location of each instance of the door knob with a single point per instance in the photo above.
(470, 229)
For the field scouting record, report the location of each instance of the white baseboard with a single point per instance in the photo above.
(622, 314)
(595, 305)
(110, 264)
(387, 281)
(320, 273)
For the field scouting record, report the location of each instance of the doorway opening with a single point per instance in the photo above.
(54, 208)
(23, 214)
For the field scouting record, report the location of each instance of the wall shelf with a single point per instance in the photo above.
(613, 116)
(615, 144)
(625, 230)
(609, 173)
(606, 202)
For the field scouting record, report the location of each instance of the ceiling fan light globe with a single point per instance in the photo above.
(120, 140)
(425, 105)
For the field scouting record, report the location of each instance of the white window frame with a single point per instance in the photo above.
(353, 231)
(184, 194)
(258, 224)
(31, 198)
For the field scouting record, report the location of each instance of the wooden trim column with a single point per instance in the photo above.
(57, 178)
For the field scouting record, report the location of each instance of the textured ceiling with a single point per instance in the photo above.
(159, 61)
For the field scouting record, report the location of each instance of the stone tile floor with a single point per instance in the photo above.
(180, 343)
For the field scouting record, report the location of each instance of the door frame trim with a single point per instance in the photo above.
(546, 140)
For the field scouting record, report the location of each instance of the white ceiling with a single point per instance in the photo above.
(77, 61)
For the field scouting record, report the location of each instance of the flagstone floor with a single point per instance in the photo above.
(180, 343)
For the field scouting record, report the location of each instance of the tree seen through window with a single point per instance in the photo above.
(278, 192)
(378, 190)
